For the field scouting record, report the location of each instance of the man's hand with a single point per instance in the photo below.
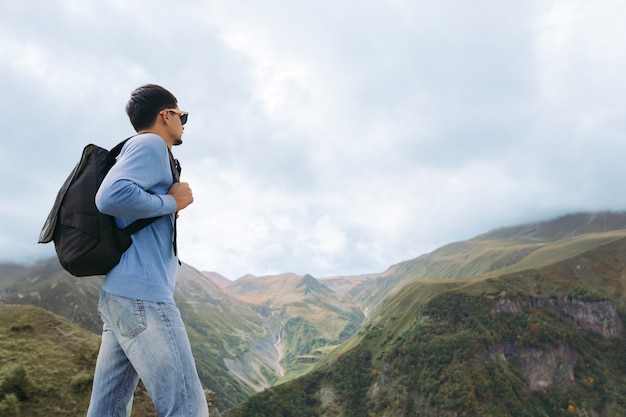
(182, 194)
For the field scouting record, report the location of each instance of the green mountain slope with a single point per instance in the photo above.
(47, 364)
(545, 340)
(241, 345)
(517, 289)
(500, 251)
(218, 324)
(48, 286)
(219, 327)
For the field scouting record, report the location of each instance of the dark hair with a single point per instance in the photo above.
(146, 102)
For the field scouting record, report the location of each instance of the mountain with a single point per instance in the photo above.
(218, 324)
(241, 344)
(302, 315)
(522, 321)
(48, 286)
(500, 251)
(342, 345)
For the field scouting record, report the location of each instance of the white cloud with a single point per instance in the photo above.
(325, 138)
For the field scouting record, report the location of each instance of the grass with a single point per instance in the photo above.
(57, 359)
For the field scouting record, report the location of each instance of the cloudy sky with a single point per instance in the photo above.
(324, 137)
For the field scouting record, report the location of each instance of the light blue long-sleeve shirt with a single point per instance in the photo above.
(136, 187)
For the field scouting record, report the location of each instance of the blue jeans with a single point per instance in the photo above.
(148, 341)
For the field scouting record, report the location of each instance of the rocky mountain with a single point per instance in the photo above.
(525, 306)
(300, 313)
(534, 328)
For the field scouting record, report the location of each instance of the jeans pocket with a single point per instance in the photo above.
(126, 315)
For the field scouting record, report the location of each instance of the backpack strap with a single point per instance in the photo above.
(139, 224)
(114, 152)
(174, 166)
(176, 170)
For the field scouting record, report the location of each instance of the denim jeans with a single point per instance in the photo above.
(148, 341)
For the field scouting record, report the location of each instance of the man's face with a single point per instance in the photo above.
(177, 120)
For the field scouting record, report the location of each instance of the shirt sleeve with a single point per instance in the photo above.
(136, 186)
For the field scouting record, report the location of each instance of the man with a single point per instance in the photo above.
(143, 335)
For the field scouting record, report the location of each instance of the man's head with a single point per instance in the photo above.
(153, 108)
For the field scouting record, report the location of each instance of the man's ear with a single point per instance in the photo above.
(164, 116)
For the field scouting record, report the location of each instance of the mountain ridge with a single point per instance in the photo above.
(539, 341)
(253, 333)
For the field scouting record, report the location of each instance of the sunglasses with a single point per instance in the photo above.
(183, 115)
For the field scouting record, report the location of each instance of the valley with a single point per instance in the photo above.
(469, 326)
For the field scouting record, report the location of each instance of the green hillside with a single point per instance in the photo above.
(50, 287)
(501, 251)
(541, 341)
(47, 365)
(218, 328)
(218, 325)
(525, 320)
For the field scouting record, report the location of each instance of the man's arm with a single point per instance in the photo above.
(138, 185)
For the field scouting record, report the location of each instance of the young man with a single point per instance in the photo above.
(143, 335)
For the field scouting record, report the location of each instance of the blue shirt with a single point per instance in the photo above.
(136, 187)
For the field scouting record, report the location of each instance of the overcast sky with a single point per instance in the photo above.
(324, 137)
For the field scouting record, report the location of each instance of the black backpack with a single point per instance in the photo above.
(88, 242)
